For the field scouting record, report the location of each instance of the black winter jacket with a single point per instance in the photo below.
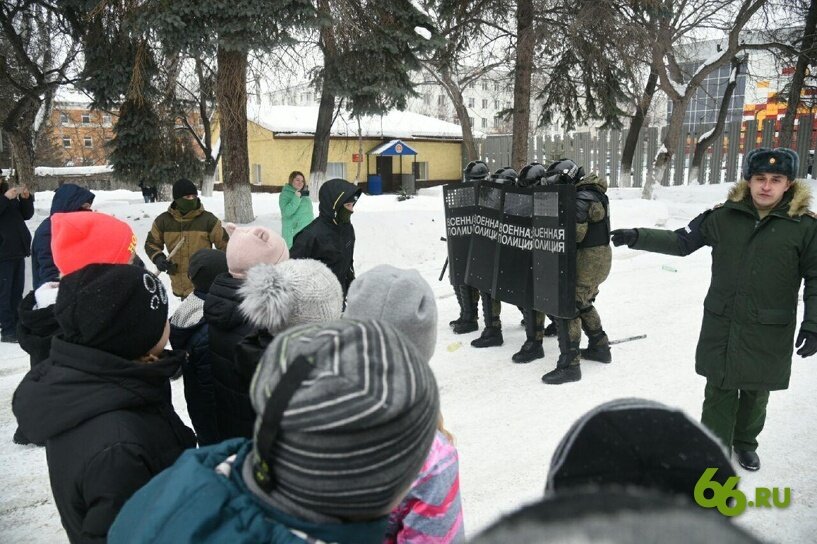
(109, 429)
(326, 239)
(227, 327)
(35, 329)
(15, 238)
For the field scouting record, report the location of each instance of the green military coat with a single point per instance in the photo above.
(747, 334)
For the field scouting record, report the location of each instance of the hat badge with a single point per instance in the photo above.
(772, 160)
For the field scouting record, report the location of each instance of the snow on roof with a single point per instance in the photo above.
(72, 170)
(386, 149)
(69, 93)
(393, 124)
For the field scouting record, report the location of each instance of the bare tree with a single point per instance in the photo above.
(807, 56)
(523, 68)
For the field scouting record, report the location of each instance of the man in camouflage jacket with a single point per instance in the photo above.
(763, 244)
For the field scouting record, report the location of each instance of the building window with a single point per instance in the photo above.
(106, 119)
(427, 99)
(484, 103)
(86, 118)
(471, 119)
(87, 141)
(336, 170)
(64, 120)
(420, 170)
(256, 174)
(484, 85)
(441, 100)
(66, 142)
(484, 123)
(471, 102)
(496, 86)
(496, 104)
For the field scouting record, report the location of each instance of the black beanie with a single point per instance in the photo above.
(116, 308)
(205, 265)
(184, 187)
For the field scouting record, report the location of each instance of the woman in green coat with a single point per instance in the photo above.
(764, 244)
(296, 207)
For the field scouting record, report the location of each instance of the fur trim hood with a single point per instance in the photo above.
(799, 203)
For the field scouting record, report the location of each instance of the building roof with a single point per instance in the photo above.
(72, 95)
(393, 148)
(301, 120)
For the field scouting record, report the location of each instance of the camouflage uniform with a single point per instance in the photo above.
(593, 260)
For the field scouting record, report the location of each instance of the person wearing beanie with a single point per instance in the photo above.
(67, 198)
(764, 244)
(330, 237)
(273, 298)
(16, 207)
(248, 246)
(189, 332)
(101, 402)
(432, 510)
(183, 229)
(76, 239)
(324, 394)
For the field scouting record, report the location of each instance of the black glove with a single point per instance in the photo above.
(808, 340)
(624, 236)
(164, 265)
(304, 192)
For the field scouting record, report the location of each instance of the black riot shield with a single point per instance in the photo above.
(514, 281)
(554, 250)
(483, 254)
(460, 201)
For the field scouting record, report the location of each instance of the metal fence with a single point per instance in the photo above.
(601, 151)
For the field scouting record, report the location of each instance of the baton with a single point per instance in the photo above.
(445, 264)
(628, 339)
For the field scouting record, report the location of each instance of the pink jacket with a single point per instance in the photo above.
(431, 513)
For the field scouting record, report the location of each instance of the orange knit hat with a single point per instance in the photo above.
(82, 238)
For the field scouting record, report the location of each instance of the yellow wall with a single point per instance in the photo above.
(278, 156)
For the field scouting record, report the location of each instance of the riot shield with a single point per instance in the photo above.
(482, 256)
(460, 201)
(554, 250)
(514, 281)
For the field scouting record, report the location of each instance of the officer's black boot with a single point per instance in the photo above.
(492, 334)
(468, 310)
(567, 367)
(598, 348)
(458, 294)
(532, 348)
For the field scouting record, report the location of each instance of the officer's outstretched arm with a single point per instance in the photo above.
(679, 242)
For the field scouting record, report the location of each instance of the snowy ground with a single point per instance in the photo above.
(506, 422)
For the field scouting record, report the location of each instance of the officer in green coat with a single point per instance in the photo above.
(296, 207)
(764, 241)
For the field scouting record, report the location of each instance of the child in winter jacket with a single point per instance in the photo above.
(189, 332)
(296, 207)
(248, 246)
(347, 412)
(77, 239)
(100, 399)
(432, 511)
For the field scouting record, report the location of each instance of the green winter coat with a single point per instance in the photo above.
(747, 334)
(296, 213)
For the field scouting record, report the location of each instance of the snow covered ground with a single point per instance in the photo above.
(506, 422)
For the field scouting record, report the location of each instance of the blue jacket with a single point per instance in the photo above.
(191, 502)
(67, 198)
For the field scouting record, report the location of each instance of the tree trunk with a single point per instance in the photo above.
(634, 132)
(231, 92)
(209, 179)
(805, 58)
(717, 131)
(521, 89)
(22, 150)
(664, 156)
(455, 94)
(326, 110)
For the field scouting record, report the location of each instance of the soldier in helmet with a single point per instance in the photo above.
(593, 260)
(467, 296)
(491, 308)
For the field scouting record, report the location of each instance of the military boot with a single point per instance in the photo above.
(550, 330)
(598, 348)
(567, 367)
(531, 350)
(467, 321)
(490, 337)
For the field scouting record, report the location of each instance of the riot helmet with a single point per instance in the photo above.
(476, 171)
(505, 174)
(531, 175)
(564, 171)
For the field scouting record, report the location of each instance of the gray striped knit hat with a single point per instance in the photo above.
(347, 412)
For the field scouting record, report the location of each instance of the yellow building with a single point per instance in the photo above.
(279, 140)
